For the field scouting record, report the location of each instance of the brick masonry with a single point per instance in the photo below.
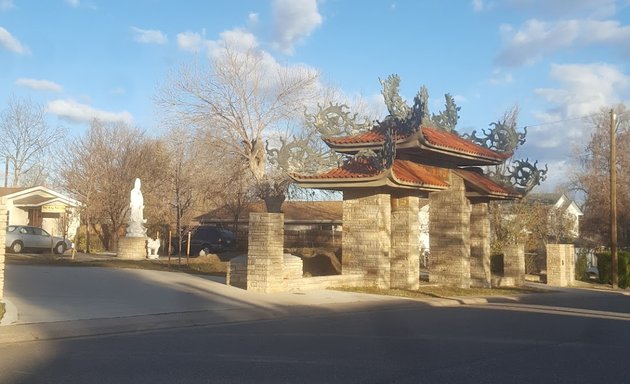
(514, 263)
(366, 242)
(560, 264)
(449, 235)
(132, 248)
(265, 252)
(405, 238)
(480, 274)
(237, 272)
(3, 225)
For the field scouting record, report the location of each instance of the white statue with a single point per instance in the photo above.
(136, 219)
(152, 247)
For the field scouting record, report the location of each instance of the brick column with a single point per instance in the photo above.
(514, 263)
(405, 259)
(3, 225)
(265, 252)
(366, 236)
(480, 275)
(449, 235)
(560, 264)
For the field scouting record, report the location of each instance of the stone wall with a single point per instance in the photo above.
(560, 264)
(514, 263)
(366, 242)
(480, 274)
(3, 224)
(449, 235)
(405, 251)
(265, 252)
(237, 272)
(132, 248)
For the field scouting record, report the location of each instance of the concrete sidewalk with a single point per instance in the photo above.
(55, 302)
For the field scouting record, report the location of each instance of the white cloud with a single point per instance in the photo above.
(9, 42)
(40, 85)
(5, 5)
(293, 21)
(583, 89)
(537, 39)
(189, 41)
(73, 3)
(252, 18)
(149, 36)
(498, 77)
(72, 110)
(477, 5)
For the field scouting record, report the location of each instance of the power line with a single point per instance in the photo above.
(572, 119)
(561, 121)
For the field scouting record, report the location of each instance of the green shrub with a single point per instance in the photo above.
(604, 266)
(581, 268)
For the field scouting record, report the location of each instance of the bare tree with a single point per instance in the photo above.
(591, 178)
(238, 98)
(102, 170)
(26, 139)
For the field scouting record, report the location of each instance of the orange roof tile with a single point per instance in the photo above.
(414, 173)
(486, 184)
(451, 141)
(403, 172)
(432, 137)
(353, 169)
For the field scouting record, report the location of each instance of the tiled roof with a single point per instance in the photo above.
(487, 185)
(413, 173)
(432, 137)
(404, 172)
(354, 169)
(451, 141)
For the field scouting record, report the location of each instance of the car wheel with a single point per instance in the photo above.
(60, 248)
(17, 247)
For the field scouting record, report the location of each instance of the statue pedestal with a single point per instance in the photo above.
(132, 248)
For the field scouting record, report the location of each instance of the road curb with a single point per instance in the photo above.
(10, 313)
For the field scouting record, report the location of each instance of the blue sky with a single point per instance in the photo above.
(557, 59)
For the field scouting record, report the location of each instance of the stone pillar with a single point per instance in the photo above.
(480, 275)
(265, 252)
(449, 235)
(560, 264)
(366, 236)
(405, 258)
(132, 248)
(514, 263)
(3, 225)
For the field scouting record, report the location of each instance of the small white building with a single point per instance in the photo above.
(562, 204)
(42, 207)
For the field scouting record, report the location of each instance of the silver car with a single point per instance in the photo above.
(22, 238)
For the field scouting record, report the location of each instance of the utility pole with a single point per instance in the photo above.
(613, 199)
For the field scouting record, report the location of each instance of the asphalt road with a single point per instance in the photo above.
(572, 336)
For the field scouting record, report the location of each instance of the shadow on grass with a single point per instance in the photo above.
(441, 292)
(207, 265)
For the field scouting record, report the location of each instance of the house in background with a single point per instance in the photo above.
(561, 203)
(306, 223)
(42, 207)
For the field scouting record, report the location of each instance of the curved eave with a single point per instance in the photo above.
(473, 158)
(383, 179)
(475, 188)
(417, 141)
